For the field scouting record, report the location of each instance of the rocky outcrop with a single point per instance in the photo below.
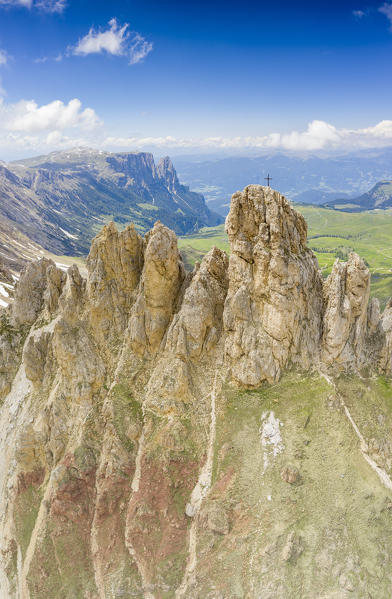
(160, 283)
(384, 330)
(5, 274)
(167, 171)
(37, 292)
(193, 333)
(345, 323)
(125, 414)
(273, 311)
(114, 265)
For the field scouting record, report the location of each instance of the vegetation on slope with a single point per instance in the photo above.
(324, 534)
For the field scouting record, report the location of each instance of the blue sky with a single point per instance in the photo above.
(194, 75)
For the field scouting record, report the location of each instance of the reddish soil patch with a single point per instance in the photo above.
(113, 493)
(28, 479)
(74, 499)
(156, 523)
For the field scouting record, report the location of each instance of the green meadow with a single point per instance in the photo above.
(331, 234)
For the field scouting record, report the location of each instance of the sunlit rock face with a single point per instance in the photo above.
(142, 445)
(273, 311)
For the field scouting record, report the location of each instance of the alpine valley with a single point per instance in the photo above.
(61, 200)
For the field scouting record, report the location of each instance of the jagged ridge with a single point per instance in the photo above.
(112, 386)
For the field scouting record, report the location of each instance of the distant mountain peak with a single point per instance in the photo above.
(61, 199)
(168, 173)
(379, 196)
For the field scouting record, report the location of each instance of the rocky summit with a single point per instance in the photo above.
(220, 434)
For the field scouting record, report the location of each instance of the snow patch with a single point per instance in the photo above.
(68, 234)
(21, 245)
(3, 290)
(62, 266)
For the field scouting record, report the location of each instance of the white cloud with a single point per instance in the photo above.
(318, 135)
(26, 118)
(26, 127)
(139, 48)
(41, 60)
(113, 40)
(359, 14)
(4, 57)
(116, 40)
(386, 9)
(50, 6)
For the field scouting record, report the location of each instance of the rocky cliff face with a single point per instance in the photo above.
(274, 307)
(144, 451)
(61, 200)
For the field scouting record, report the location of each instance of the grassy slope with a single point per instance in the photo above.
(338, 511)
(332, 234)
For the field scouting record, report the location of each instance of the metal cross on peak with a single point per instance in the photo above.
(268, 179)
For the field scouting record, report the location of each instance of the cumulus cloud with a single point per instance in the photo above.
(318, 135)
(117, 40)
(50, 6)
(113, 40)
(28, 117)
(26, 126)
(386, 9)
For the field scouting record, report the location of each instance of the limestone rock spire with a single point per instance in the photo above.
(273, 309)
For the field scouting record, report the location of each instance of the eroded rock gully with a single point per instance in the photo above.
(112, 388)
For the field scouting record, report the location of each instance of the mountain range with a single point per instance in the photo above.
(307, 178)
(61, 201)
(380, 196)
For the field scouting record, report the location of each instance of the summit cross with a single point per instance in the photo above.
(268, 179)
